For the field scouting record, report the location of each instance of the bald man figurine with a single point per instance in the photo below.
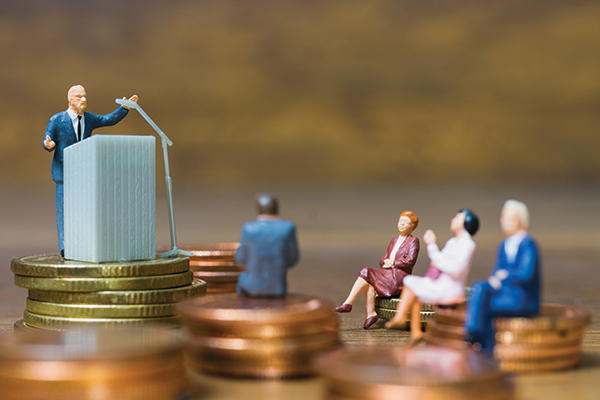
(67, 128)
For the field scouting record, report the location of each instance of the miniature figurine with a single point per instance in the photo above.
(513, 289)
(397, 262)
(69, 127)
(444, 283)
(268, 247)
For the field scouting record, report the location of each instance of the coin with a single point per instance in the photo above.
(22, 326)
(448, 316)
(445, 331)
(100, 284)
(521, 366)
(392, 303)
(239, 311)
(100, 310)
(217, 277)
(556, 337)
(216, 251)
(53, 266)
(376, 372)
(440, 341)
(215, 266)
(512, 352)
(261, 372)
(157, 296)
(386, 313)
(62, 323)
(552, 317)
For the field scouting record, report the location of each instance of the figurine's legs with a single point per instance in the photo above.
(480, 316)
(416, 333)
(60, 217)
(360, 287)
(370, 296)
(407, 299)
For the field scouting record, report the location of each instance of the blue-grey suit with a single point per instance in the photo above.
(60, 129)
(268, 248)
(519, 295)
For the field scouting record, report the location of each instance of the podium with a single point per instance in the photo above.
(110, 199)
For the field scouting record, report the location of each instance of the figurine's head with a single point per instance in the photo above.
(266, 204)
(77, 98)
(407, 223)
(465, 219)
(514, 217)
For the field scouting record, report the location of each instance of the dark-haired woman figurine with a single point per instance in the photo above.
(445, 280)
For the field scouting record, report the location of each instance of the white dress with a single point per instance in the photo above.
(455, 262)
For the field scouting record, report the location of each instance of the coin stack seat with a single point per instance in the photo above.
(65, 294)
(93, 364)
(548, 342)
(264, 338)
(215, 264)
(412, 373)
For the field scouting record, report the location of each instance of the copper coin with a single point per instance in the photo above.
(512, 352)
(261, 372)
(556, 337)
(552, 317)
(445, 331)
(207, 251)
(446, 342)
(217, 277)
(553, 364)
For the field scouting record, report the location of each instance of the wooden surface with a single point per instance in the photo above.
(343, 229)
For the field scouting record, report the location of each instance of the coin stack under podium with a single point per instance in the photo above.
(386, 307)
(258, 337)
(407, 373)
(98, 364)
(64, 294)
(550, 341)
(215, 264)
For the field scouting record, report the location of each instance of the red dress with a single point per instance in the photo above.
(388, 281)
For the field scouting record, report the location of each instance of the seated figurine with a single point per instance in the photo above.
(268, 248)
(397, 262)
(445, 280)
(513, 289)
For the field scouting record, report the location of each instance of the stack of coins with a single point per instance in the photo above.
(407, 373)
(215, 264)
(386, 307)
(64, 294)
(258, 337)
(117, 364)
(550, 341)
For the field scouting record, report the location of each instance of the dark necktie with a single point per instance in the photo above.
(79, 128)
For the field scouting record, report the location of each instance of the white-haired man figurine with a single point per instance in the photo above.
(514, 288)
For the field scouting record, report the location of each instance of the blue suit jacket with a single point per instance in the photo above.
(268, 248)
(60, 129)
(521, 290)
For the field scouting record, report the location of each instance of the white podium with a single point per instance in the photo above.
(110, 199)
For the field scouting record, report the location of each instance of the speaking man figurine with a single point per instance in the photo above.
(67, 128)
(268, 247)
(513, 289)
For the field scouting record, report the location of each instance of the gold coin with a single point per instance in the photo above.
(101, 284)
(556, 364)
(53, 266)
(63, 323)
(101, 310)
(392, 303)
(556, 337)
(158, 296)
(20, 325)
(242, 310)
(388, 314)
(445, 331)
(512, 352)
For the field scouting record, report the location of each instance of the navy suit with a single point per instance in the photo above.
(268, 248)
(519, 295)
(60, 129)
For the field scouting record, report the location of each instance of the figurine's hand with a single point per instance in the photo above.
(49, 143)
(387, 263)
(429, 237)
(501, 274)
(133, 98)
(495, 282)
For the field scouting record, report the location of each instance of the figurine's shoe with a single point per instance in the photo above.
(415, 341)
(370, 321)
(344, 308)
(395, 324)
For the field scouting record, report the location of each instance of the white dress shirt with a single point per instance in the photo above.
(74, 120)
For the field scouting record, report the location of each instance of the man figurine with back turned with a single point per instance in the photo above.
(268, 248)
(513, 289)
(67, 128)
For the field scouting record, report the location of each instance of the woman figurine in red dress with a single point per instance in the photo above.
(397, 262)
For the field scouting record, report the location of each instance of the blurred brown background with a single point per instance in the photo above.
(290, 90)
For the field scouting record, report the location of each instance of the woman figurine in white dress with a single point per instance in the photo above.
(445, 280)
